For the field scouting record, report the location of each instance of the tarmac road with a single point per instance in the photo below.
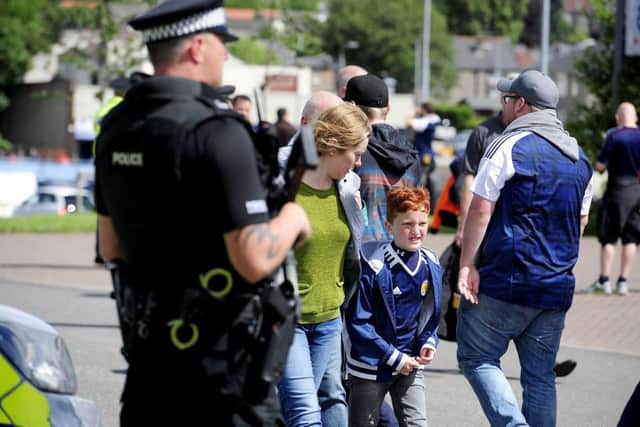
(52, 276)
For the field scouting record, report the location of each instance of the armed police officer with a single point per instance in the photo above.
(182, 210)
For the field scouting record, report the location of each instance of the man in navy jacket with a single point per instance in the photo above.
(520, 243)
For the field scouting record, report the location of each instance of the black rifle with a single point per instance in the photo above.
(279, 298)
(266, 145)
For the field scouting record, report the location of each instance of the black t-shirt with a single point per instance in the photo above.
(479, 139)
(173, 187)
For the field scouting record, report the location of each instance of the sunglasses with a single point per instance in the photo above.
(506, 98)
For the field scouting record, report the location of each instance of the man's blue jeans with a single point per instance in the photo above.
(311, 389)
(484, 331)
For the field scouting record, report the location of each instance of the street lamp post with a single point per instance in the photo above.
(426, 41)
(544, 39)
(617, 54)
(417, 70)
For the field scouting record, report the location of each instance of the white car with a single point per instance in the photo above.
(59, 199)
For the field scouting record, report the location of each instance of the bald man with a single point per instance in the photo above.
(618, 216)
(318, 102)
(345, 74)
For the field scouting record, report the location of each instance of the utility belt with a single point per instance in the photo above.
(241, 341)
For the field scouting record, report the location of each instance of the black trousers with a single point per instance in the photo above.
(631, 415)
(164, 397)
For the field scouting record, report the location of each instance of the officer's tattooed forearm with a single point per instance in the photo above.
(262, 232)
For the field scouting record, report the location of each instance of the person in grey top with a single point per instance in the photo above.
(479, 139)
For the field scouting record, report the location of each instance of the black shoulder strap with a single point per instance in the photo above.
(265, 141)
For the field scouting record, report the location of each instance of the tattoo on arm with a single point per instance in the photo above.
(262, 232)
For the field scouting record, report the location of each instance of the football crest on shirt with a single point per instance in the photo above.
(424, 288)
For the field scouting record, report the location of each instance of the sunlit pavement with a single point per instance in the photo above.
(602, 332)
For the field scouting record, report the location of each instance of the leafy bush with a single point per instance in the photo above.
(5, 145)
(588, 126)
(460, 116)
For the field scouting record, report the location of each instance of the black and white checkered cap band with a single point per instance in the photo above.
(193, 24)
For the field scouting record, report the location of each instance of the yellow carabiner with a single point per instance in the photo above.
(175, 325)
(206, 278)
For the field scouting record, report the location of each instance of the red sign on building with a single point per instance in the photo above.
(282, 83)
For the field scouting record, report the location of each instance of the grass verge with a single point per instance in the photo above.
(81, 222)
(86, 222)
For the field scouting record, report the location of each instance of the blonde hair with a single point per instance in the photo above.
(375, 113)
(341, 128)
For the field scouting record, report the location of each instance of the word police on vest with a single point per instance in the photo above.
(126, 159)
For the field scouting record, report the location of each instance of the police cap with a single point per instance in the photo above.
(178, 18)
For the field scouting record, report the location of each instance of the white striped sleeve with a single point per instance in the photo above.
(496, 167)
(586, 200)
(395, 360)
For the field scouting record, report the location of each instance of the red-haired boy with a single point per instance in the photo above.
(393, 318)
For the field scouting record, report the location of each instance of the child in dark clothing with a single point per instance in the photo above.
(392, 320)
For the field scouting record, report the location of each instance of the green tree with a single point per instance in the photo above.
(478, 17)
(253, 51)
(595, 69)
(24, 31)
(560, 29)
(310, 5)
(386, 33)
(303, 33)
(30, 27)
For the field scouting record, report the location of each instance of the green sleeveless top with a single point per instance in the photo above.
(321, 259)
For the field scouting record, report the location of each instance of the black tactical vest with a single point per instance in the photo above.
(158, 193)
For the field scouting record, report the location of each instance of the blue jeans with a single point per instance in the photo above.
(484, 331)
(311, 391)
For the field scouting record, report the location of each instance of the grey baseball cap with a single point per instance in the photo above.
(536, 88)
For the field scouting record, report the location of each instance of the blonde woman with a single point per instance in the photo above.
(311, 390)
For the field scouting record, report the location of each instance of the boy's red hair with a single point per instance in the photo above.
(401, 200)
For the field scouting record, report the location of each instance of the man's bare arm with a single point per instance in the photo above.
(256, 250)
(584, 220)
(465, 200)
(108, 242)
(480, 211)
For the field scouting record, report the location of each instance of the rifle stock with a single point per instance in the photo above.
(303, 156)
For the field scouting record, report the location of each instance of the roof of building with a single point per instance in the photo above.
(484, 53)
(562, 56)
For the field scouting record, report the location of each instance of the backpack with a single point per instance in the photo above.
(450, 262)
